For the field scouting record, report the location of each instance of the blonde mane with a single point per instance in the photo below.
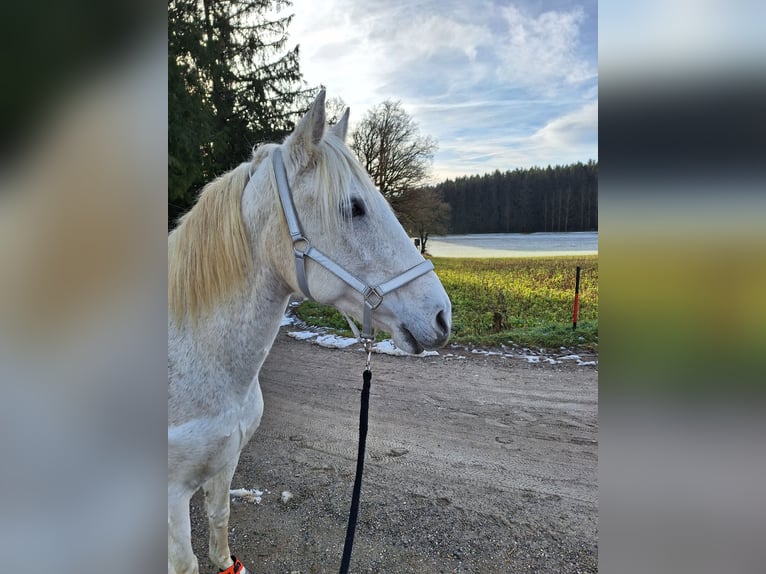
(209, 255)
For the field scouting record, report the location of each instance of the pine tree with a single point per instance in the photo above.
(233, 83)
(564, 198)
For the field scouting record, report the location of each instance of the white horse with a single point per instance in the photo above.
(231, 272)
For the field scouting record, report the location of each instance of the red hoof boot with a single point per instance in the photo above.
(236, 568)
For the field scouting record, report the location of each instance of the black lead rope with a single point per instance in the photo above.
(354, 512)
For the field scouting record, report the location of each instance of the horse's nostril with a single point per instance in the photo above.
(441, 322)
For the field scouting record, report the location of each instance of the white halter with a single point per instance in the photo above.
(302, 248)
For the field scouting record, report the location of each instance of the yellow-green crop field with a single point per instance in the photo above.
(527, 301)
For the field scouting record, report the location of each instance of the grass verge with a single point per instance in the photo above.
(525, 301)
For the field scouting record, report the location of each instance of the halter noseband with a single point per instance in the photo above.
(302, 248)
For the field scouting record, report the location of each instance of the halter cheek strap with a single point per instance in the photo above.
(302, 248)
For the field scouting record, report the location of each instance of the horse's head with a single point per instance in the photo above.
(348, 220)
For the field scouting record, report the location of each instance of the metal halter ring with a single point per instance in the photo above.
(297, 250)
(372, 297)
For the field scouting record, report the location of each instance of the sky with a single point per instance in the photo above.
(499, 84)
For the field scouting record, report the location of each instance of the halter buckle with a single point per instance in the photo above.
(372, 297)
(367, 344)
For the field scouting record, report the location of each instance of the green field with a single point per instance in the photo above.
(526, 301)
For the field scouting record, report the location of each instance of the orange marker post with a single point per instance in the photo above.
(576, 300)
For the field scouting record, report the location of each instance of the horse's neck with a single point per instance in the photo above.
(235, 339)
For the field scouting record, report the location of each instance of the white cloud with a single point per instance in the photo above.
(428, 34)
(542, 52)
(332, 51)
(362, 59)
(498, 86)
(364, 50)
(567, 138)
(569, 130)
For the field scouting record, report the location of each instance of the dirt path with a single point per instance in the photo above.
(476, 464)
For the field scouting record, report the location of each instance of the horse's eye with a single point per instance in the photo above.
(357, 208)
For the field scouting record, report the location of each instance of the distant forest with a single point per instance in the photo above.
(561, 198)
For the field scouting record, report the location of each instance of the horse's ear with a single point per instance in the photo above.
(340, 129)
(310, 129)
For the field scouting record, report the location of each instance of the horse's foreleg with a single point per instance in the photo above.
(181, 558)
(217, 503)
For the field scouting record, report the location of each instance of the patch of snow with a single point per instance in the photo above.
(387, 347)
(287, 320)
(286, 496)
(247, 495)
(486, 353)
(335, 341)
(301, 335)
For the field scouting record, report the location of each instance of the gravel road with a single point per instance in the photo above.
(474, 464)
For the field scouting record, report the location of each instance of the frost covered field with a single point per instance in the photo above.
(514, 244)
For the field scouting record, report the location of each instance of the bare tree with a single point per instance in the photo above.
(388, 143)
(334, 109)
(422, 212)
